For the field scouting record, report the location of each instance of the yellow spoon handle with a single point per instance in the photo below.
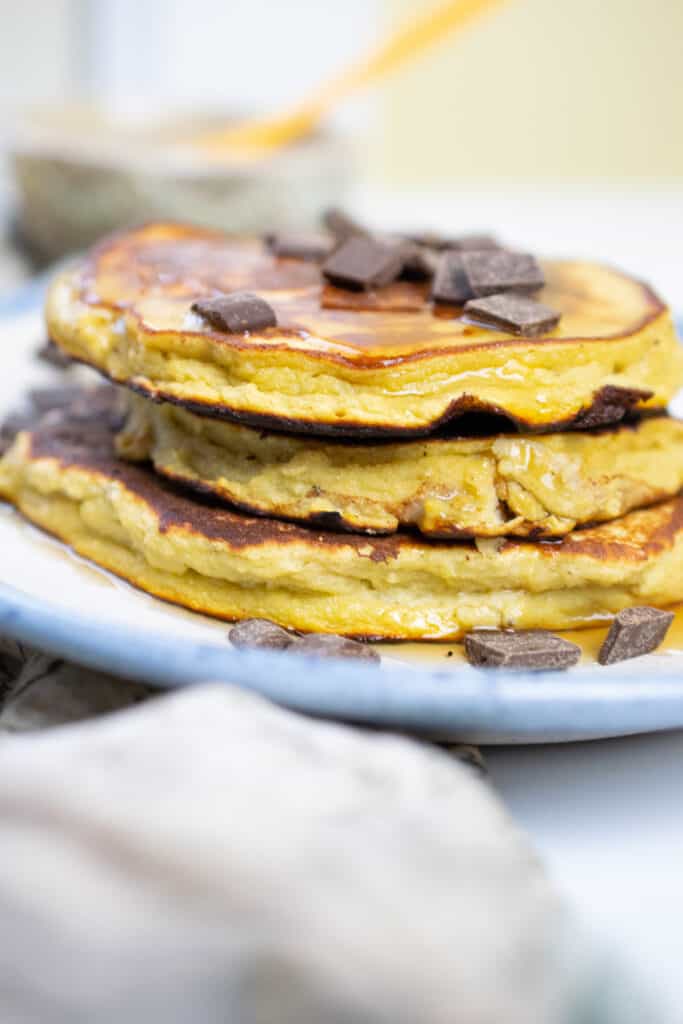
(405, 44)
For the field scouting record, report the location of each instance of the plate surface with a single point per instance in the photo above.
(55, 600)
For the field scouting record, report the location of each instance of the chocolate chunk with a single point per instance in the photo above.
(419, 264)
(329, 645)
(311, 246)
(533, 648)
(260, 633)
(497, 270)
(450, 281)
(236, 313)
(363, 263)
(515, 313)
(342, 226)
(633, 632)
(50, 353)
(475, 243)
(432, 240)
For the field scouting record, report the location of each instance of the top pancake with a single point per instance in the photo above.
(388, 363)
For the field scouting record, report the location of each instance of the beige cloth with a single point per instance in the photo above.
(207, 857)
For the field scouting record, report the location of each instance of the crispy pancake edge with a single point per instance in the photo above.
(178, 509)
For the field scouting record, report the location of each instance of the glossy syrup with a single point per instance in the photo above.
(445, 655)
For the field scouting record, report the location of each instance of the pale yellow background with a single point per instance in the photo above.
(541, 89)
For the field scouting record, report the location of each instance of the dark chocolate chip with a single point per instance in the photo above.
(260, 633)
(532, 648)
(450, 281)
(363, 263)
(432, 240)
(310, 246)
(329, 645)
(50, 353)
(342, 226)
(633, 632)
(497, 270)
(236, 313)
(419, 264)
(512, 312)
(475, 243)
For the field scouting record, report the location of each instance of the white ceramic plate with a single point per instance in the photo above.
(55, 600)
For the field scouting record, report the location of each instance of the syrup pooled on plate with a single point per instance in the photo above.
(446, 655)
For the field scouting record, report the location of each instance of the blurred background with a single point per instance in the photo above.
(559, 124)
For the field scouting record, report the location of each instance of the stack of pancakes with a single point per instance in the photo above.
(361, 455)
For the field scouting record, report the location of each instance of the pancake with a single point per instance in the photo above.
(504, 485)
(357, 364)
(64, 477)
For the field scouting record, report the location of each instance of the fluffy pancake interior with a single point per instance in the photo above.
(233, 567)
(486, 487)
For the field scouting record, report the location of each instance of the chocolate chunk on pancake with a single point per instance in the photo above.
(450, 282)
(434, 240)
(516, 313)
(66, 479)
(300, 246)
(499, 270)
(342, 226)
(237, 313)
(354, 372)
(363, 263)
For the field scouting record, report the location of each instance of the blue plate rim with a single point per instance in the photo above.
(480, 705)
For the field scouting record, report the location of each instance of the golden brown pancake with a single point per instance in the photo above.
(387, 363)
(505, 485)
(63, 476)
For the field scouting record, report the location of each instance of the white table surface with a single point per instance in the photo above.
(607, 819)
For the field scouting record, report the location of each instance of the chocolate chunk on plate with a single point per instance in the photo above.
(329, 645)
(498, 270)
(515, 313)
(310, 246)
(363, 263)
(529, 648)
(450, 280)
(633, 632)
(260, 633)
(236, 312)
